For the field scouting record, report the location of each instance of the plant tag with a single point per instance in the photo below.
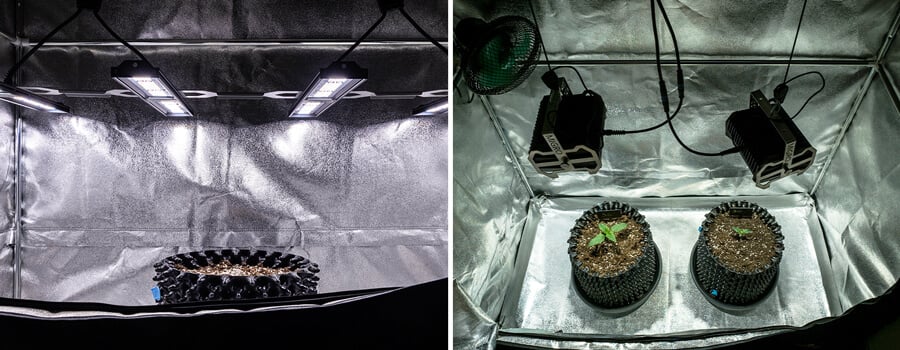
(744, 213)
(610, 214)
(156, 295)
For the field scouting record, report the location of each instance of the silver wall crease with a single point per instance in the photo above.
(7, 148)
(511, 272)
(115, 187)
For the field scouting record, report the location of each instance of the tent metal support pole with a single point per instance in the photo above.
(863, 90)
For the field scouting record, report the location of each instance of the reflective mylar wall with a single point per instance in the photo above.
(7, 159)
(892, 61)
(489, 200)
(113, 187)
(858, 201)
(705, 29)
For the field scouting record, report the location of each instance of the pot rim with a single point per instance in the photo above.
(628, 210)
(764, 215)
(296, 269)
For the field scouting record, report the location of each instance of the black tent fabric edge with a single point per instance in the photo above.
(400, 318)
(847, 331)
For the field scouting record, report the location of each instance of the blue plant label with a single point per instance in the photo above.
(155, 291)
(699, 228)
(714, 292)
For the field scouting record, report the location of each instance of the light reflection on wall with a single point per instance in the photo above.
(180, 148)
(289, 144)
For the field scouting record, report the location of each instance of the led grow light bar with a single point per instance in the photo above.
(30, 100)
(329, 86)
(151, 86)
(437, 107)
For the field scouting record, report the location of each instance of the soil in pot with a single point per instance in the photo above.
(618, 274)
(744, 253)
(610, 258)
(227, 268)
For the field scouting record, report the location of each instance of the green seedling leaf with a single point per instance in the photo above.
(603, 228)
(596, 240)
(741, 231)
(607, 232)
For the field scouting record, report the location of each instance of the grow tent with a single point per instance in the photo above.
(94, 198)
(512, 279)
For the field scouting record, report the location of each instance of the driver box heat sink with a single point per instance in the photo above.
(769, 141)
(568, 133)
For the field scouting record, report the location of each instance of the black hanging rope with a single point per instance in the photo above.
(15, 67)
(794, 45)
(422, 31)
(114, 35)
(363, 37)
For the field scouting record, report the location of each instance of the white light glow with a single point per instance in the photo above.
(306, 108)
(34, 103)
(151, 87)
(173, 106)
(329, 87)
(438, 108)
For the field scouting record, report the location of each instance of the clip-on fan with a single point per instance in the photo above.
(496, 57)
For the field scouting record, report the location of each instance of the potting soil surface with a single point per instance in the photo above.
(742, 253)
(610, 258)
(227, 268)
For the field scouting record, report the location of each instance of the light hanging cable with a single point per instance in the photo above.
(680, 77)
(549, 78)
(439, 106)
(341, 77)
(568, 130)
(770, 143)
(781, 90)
(333, 82)
(821, 87)
(794, 45)
(422, 31)
(12, 94)
(146, 81)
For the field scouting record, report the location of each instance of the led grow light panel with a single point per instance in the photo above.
(329, 86)
(171, 108)
(148, 87)
(310, 109)
(148, 83)
(543, 296)
(436, 107)
(30, 100)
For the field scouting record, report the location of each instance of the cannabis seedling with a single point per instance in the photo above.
(606, 232)
(741, 232)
